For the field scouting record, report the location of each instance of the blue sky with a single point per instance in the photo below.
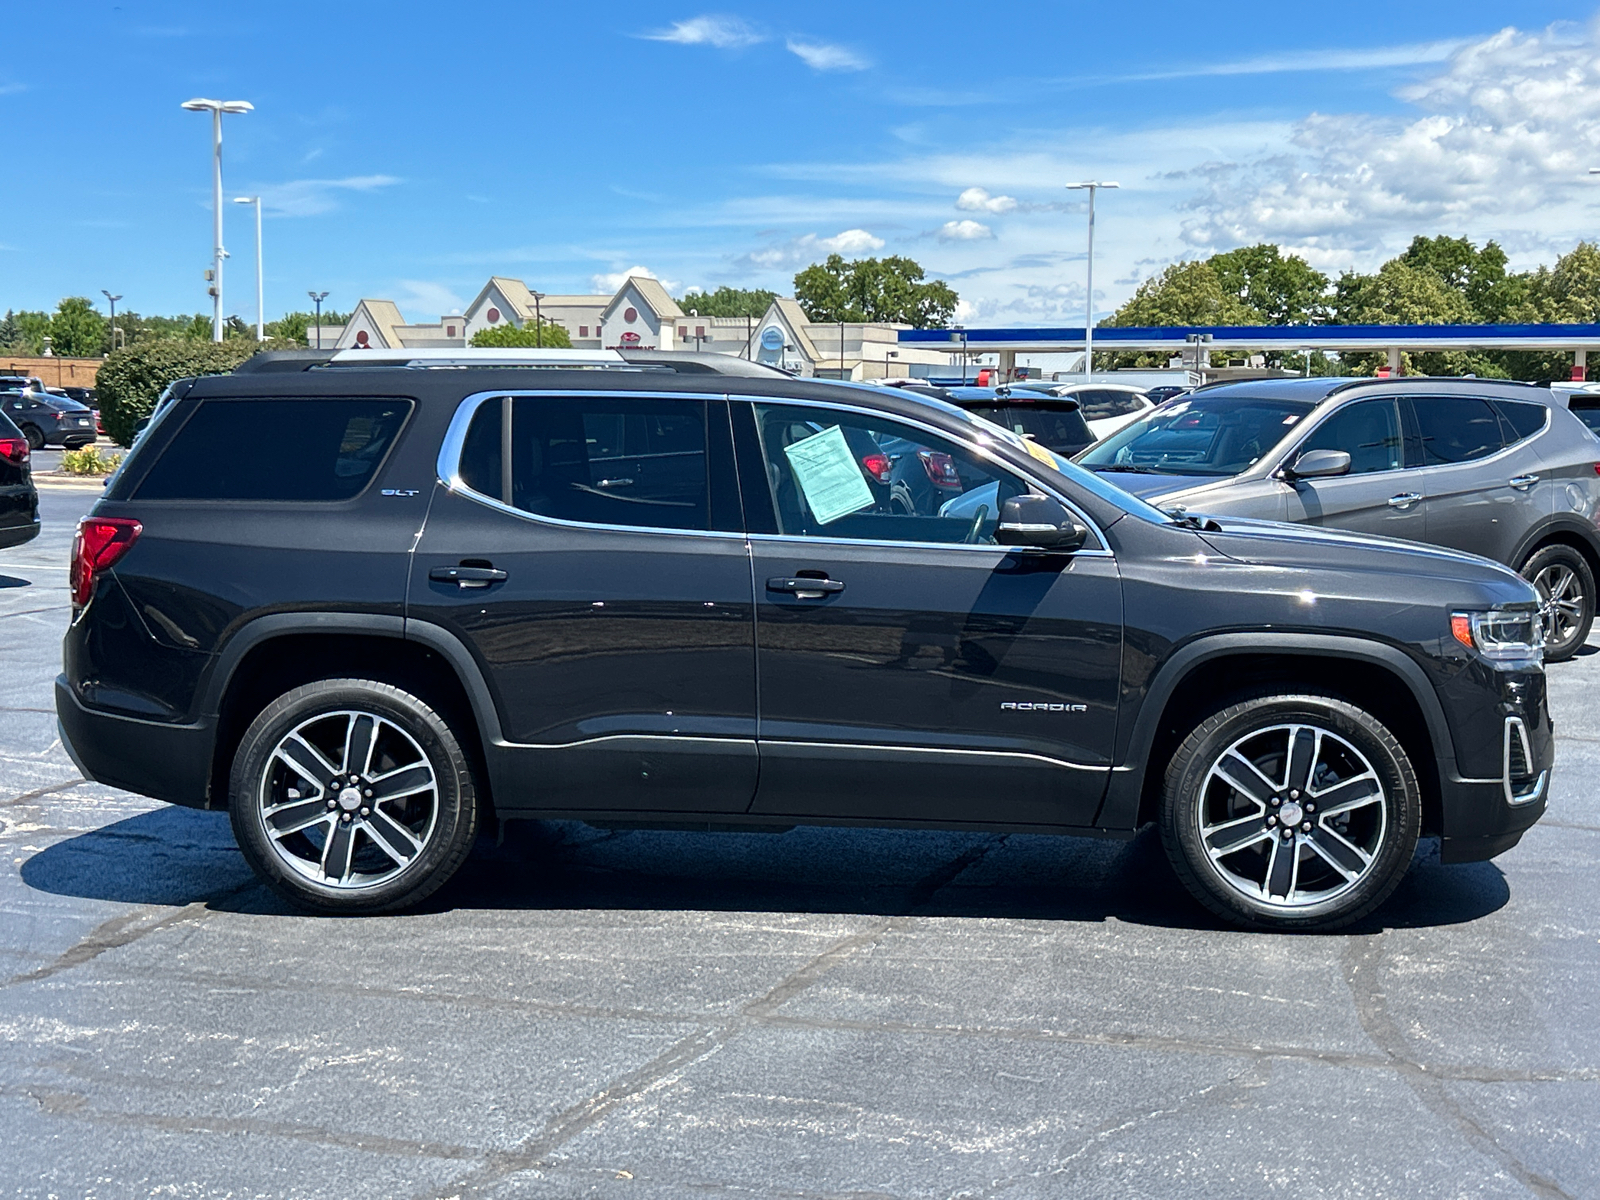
(409, 151)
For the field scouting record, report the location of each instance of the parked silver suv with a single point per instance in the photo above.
(1497, 469)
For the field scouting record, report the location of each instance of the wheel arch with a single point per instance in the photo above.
(1567, 529)
(1207, 674)
(275, 653)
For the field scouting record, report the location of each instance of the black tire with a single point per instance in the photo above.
(395, 850)
(35, 437)
(1374, 838)
(1567, 619)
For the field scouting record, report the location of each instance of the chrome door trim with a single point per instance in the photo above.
(894, 749)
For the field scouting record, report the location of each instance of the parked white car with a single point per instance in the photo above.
(1106, 407)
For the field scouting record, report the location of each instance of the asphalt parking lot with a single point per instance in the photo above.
(822, 1013)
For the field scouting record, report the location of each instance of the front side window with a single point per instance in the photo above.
(306, 450)
(838, 474)
(599, 460)
(1456, 429)
(1368, 431)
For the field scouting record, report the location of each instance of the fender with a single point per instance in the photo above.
(1568, 522)
(434, 637)
(1121, 807)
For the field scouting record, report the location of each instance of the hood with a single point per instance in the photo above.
(1152, 485)
(1271, 543)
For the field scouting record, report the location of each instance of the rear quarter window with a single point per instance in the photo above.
(304, 450)
(1525, 419)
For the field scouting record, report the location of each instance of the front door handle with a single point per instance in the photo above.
(468, 577)
(1523, 482)
(1404, 499)
(805, 589)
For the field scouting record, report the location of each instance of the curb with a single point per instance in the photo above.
(95, 482)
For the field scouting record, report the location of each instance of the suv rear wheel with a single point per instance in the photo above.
(352, 796)
(1291, 812)
(1566, 598)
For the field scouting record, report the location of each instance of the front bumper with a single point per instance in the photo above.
(163, 761)
(1483, 817)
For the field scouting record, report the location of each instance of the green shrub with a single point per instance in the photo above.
(132, 380)
(550, 335)
(89, 461)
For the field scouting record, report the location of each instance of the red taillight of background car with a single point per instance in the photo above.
(941, 468)
(14, 449)
(98, 544)
(878, 466)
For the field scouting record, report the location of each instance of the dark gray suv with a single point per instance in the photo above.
(1493, 468)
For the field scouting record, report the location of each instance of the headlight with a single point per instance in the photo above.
(1509, 636)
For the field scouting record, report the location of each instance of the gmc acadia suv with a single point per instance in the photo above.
(429, 596)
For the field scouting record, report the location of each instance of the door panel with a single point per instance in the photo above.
(925, 681)
(1378, 495)
(621, 660)
(1466, 478)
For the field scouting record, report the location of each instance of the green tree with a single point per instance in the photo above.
(550, 335)
(729, 302)
(1284, 290)
(1186, 293)
(1478, 275)
(77, 330)
(10, 334)
(32, 328)
(871, 289)
(132, 380)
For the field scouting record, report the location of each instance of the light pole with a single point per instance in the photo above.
(317, 298)
(1091, 186)
(841, 349)
(538, 320)
(261, 314)
(216, 108)
(113, 302)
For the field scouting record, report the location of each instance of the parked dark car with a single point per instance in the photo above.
(19, 501)
(1054, 422)
(1498, 469)
(49, 420)
(369, 610)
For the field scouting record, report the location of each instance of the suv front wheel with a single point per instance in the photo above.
(1291, 812)
(351, 796)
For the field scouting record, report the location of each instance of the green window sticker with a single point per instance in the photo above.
(829, 477)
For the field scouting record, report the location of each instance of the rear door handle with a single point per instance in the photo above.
(468, 577)
(808, 589)
(1523, 482)
(1404, 499)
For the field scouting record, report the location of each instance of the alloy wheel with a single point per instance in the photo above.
(1292, 816)
(1561, 602)
(348, 799)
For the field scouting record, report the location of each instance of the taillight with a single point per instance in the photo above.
(878, 466)
(14, 449)
(941, 468)
(98, 544)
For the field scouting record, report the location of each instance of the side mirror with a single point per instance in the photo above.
(1039, 523)
(1319, 464)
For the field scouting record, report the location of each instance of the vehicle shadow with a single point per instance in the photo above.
(177, 856)
(11, 581)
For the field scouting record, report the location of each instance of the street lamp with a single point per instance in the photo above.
(216, 108)
(261, 316)
(1091, 186)
(113, 302)
(317, 298)
(538, 320)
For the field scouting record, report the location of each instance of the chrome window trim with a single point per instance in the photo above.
(448, 464)
(448, 470)
(975, 448)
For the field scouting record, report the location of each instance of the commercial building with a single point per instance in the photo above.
(640, 315)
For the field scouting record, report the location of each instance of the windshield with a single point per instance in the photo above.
(1199, 435)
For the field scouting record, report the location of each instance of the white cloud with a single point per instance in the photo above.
(723, 32)
(1501, 138)
(808, 248)
(824, 56)
(964, 231)
(308, 197)
(977, 199)
(615, 279)
(426, 300)
(1363, 58)
(11, 89)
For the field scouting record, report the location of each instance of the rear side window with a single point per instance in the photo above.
(601, 460)
(325, 449)
(1587, 411)
(1456, 429)
(1058, 427)
(1104, 404)
(1524, 419)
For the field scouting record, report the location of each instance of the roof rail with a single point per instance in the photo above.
(1430, 379)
